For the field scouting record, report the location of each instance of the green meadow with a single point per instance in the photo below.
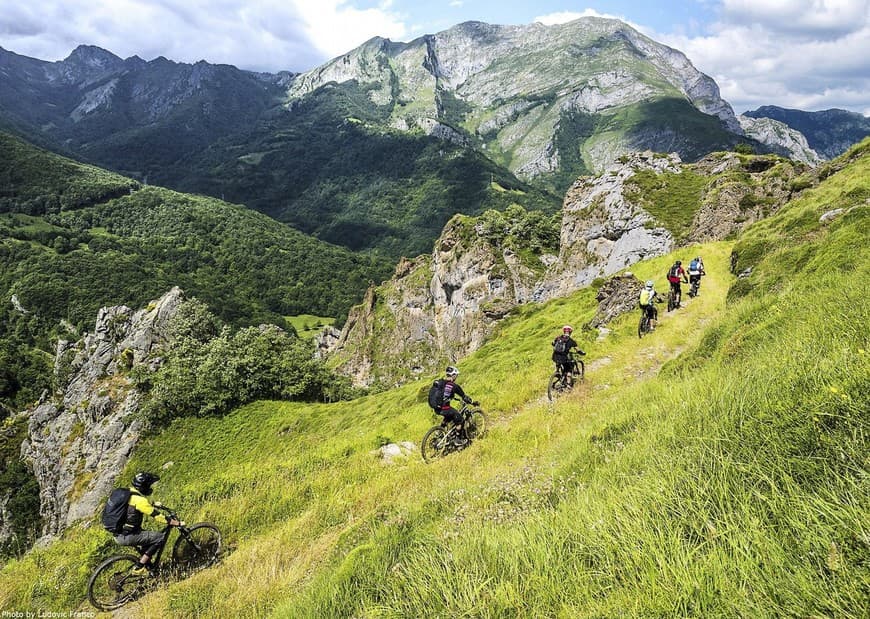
(715, 468)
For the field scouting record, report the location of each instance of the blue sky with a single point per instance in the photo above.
(804, 54)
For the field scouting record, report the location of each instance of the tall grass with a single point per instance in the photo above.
(716, 468)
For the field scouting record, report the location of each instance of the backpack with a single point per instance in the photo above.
(646, 296)
(560, 345)
(694, 266)
(436, 394)
(672, 274)
(115, 511)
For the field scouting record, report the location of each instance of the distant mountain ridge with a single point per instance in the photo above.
(327, 169)
(132, 116)
(829, 132)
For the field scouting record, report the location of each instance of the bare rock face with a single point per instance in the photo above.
(80, 441)
(511, 86)
(789, 142)
(617, 296)
(435, 310)
(745, 191)
(603, 231)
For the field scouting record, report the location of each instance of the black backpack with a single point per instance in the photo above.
(115, 511)
(436, 394)
(561, 345)
(672, 273)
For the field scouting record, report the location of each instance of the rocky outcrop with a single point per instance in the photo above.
(741, 191)
(436, 309)
(603, 231)
(79, 441)
(617, 296)
(782, 138)
(439, 308)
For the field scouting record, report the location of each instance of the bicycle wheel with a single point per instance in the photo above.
(555, 386)
(672, 300)
(197, 547)
(476, 425)
(113, 583)
(434, 444)
(643, 326)
(579, 369)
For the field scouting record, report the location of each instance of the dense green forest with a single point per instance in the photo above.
(74, 238)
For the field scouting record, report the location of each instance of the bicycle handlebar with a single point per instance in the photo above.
(170, 513)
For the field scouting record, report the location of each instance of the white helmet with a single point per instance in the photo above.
(451, 370)
(650, 283)
(567, 329)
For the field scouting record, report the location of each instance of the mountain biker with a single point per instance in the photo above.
(676, 274)
(696, 270)
(447, 390)
(562, 356)
(137, 507)
(648, 298)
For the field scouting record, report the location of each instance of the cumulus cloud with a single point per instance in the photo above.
(816, 18)
(805, 54)
(267, 35)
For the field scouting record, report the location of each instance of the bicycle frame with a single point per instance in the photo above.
(575, 369)
(170, 515)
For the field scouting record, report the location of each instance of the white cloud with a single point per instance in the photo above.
(805, 54)
(337, 27)
(268, 35)
(818, 18)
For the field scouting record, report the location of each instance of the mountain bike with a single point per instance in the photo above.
(644, 327)
(562, 382)
(694, 287)
(673, 302)
(114, 581)
(443, 439)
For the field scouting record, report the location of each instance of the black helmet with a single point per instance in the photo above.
(678, 263)
(143, 480)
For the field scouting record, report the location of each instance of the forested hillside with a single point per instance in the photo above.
(74, 238)
(329, 167)
(716, 467)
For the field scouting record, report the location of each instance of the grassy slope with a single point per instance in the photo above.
(714, 468)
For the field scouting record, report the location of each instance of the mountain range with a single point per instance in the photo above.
(377, 149)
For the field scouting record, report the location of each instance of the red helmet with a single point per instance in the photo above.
(567, 329)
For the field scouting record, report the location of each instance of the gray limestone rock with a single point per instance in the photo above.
(81, 440)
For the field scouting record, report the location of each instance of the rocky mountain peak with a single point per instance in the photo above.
(93, 56)
(508, 89)
(85, 65)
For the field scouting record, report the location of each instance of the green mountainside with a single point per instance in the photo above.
(74, 238)
(716, 467)
(331, 168)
